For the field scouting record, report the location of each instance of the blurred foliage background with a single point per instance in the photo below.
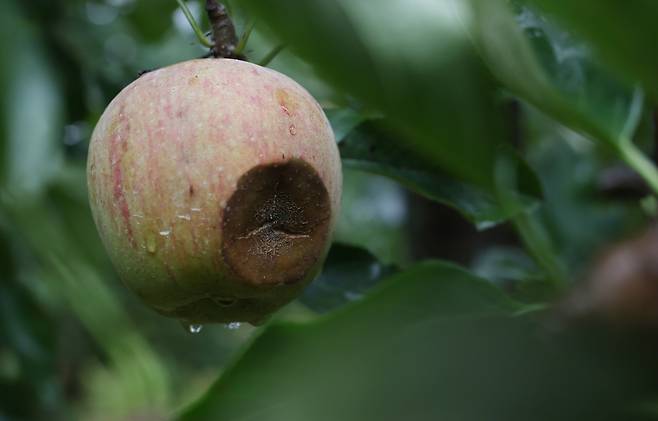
(498, 135)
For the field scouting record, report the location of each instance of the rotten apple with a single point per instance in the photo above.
(215, 185)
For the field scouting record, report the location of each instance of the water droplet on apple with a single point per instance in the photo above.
(151, 244)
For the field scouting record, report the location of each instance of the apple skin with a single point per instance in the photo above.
(167, 160)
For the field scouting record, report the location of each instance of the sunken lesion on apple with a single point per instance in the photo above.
(276, 223)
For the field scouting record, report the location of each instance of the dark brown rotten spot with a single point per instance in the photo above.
(276, 223)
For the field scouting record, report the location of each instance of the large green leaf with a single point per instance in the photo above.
(374, 149)
(29, 387)
(411, 60)
(433, 343)
(57, 230)
(623, 33)
(581, 220)
(30, 107)
(555, 72)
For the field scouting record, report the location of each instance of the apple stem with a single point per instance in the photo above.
(223, 32)
(224, 42)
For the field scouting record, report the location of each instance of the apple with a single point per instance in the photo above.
(215, 185)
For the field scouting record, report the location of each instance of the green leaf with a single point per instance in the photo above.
(506, 265)
(580, 219)
(622, 33)
(374, 149)
(31, 109)
(374, 216)
(421, 294)
(411, 60)
(29, 387)
(432, 343)
(348, 273)
(58, 231)
(555, 72)
(343, 121)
